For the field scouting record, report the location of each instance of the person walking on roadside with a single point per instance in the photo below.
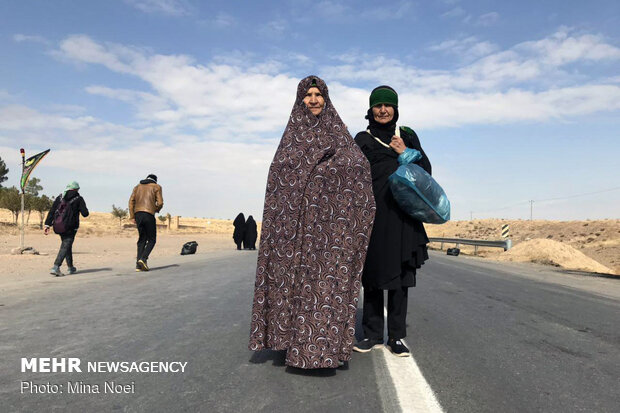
(239, 232)
(64, 218)
(398, 244)
(146, 200)
(249, 240)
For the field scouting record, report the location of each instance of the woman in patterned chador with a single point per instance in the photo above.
(317, 220)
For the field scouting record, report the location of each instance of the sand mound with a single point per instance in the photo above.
(546, 251)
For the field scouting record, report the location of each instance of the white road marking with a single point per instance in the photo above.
(413, 391)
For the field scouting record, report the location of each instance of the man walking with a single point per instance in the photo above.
(64, 218)
(146, 199)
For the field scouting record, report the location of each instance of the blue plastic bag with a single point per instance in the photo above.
(419, 195)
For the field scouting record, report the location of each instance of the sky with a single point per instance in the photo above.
(513, 101)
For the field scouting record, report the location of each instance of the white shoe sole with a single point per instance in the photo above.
(359, 350)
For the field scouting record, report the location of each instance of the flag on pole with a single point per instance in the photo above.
(29, 165)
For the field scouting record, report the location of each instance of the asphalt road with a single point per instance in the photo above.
(487, 337)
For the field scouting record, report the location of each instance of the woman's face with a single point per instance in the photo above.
(314, 100)
(383, 113)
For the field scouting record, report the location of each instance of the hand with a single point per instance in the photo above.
(46, 230)
(398, 145)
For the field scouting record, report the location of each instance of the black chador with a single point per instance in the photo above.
(398, 242)
(239, 232)
(249, 241)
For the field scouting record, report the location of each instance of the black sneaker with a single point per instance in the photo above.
(72, 270)
(138, 267)
(365, 345)
(398, 348)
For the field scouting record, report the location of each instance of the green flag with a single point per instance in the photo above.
(29, 165)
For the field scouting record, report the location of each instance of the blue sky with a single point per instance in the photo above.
(512, 101)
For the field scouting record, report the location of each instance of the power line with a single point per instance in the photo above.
(543, 200)
(578, 195)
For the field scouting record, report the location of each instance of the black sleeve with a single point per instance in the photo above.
(83, 209)
(50, 214)
(360, 140)
(363, 140)
(414, 143)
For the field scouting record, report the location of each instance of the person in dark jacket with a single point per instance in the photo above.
(398, 244)
(249, 240)
(69, 205)
(239, 232)
(146, 199)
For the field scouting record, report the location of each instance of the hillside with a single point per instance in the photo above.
(598, 240)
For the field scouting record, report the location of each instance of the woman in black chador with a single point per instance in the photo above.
(249, 241)
(398, 242)
(239, 233)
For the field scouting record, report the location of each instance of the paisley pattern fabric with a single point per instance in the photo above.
(317, 220)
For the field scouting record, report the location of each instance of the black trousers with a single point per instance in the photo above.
(373, 321)
(66, 249)
(147, 234)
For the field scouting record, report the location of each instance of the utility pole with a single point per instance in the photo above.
(531, 208)
(471, 215)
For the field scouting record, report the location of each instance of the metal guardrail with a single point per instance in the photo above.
(506, 244)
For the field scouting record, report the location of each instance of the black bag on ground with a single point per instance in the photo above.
(64, 218)
(454, 251)
(189, 248)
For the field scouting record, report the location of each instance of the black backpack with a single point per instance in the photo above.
(189, 248)
(64, 218)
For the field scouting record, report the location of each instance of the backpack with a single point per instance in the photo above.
(64, 219)
(189, 248)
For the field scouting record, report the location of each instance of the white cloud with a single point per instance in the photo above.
(19, 38)
(167, 7)
(273, 28)
(204, 96)
(4, 95)
(488, 19)
(18, 117)
(222, 119)
(350, 11)
(455, 12)
(529, 64)
(331, 8)
(224, 20)
(524, 83)
(149, 106)
(468, 48)
(388, 11)
(563, 48)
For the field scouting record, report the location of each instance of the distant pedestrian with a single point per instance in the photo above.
(146, 199)
(239, 233)
(64, 218)
(249, 241)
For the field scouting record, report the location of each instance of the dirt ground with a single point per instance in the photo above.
(580, 245)
(102, 242)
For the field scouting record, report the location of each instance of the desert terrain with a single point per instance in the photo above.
(592, 246)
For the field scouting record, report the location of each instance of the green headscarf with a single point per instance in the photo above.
(71, 186)
(383, 94)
